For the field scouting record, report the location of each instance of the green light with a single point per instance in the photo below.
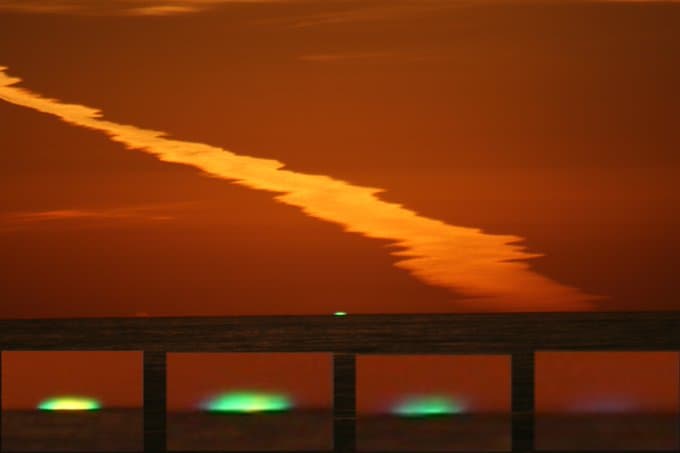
(427, 406)
(248, 402)
(340, 313)
(69, 403)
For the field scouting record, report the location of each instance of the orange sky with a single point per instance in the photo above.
(553, 123)
(113, 378)
(565, 382)
(195, 378)
(478, 383)
(607, 382)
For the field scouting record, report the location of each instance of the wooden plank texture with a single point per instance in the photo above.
(412, 334)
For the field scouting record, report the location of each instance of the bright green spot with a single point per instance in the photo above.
(427, 406)
(340, 313)
(248, 402)
(69, 403)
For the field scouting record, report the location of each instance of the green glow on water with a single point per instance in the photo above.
(427, 406)
(69, 403)
(340, 313)
(244, 402)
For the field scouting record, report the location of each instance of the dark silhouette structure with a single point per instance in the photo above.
(518, 335)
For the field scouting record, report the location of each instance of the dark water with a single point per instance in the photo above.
(607, 432)
(297, 430)
(453, 433)
(106, 430)
(314, 431)
(121, 430)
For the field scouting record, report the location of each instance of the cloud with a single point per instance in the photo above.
(368, 57)
(490, 270)
(336, 11)
(162, 10)
(38, 6)
(374, 11)
(345, 57)
(379, 11)
(120, 7)
(17, 220)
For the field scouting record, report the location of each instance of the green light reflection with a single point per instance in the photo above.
(427, 406)
(69, 403)
(245, 402)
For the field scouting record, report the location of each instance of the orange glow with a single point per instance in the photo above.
(490, 270)
(32, 378)
(607, 382)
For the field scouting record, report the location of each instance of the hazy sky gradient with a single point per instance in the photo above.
(339, 11)
(489, 270)
(112, 378)
(550, 122)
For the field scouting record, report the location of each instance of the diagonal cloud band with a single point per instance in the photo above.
(491, 271)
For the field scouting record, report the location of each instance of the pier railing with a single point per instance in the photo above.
(517, 335)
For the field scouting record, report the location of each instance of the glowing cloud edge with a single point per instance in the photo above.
(490, 271)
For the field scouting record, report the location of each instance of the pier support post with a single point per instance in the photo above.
(523, 401)
(154, 401)
(1, 401)
(344, 403)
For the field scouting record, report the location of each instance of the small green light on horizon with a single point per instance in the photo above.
(427, 406)
(340, 313)
(69, 403)
(244, 402)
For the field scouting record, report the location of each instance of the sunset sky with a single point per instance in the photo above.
(295, 157)
(112, 378)
(366, 156)
(607, 382)
(566, 382)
